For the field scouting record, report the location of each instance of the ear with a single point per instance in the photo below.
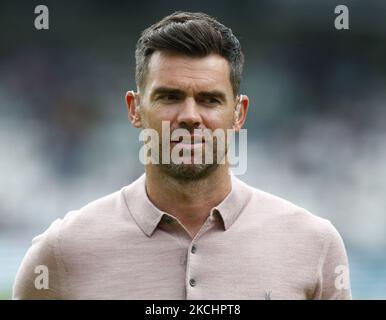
(132, 101)
(241, 112)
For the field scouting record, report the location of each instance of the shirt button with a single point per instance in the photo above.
(194, 248)
(192, 282)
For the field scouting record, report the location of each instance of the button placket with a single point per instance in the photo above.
(190, 269)
(192, 289)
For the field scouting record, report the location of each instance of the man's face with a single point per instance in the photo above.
(190, 93)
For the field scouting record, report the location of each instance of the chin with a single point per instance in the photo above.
(188, 172)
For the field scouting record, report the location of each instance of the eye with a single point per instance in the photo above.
(211, 101)
(170, 97)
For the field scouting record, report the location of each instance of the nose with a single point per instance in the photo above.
(188, 115)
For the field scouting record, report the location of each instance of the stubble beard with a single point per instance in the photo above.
(193, 171)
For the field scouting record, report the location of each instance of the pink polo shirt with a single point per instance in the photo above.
(252, 246)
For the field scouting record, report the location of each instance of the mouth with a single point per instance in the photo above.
(189, 140)
(192, 144)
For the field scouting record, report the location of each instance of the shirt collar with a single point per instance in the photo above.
(233, 204)
(148, 216)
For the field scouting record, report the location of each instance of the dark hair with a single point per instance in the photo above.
(192, 34)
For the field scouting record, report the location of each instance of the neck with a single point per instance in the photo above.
(190, 202)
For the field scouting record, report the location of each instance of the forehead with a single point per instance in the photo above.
(188, 73)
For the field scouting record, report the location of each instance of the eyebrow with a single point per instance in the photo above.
(166, 90)
(203, 94)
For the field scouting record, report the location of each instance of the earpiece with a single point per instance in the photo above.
(238, 107)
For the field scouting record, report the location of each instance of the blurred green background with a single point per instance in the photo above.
(316, 126)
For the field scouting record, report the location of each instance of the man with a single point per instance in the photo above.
(187, 230)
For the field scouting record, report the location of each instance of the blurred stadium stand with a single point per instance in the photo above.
(316, 125)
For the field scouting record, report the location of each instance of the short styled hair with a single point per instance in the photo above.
(191, 34)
